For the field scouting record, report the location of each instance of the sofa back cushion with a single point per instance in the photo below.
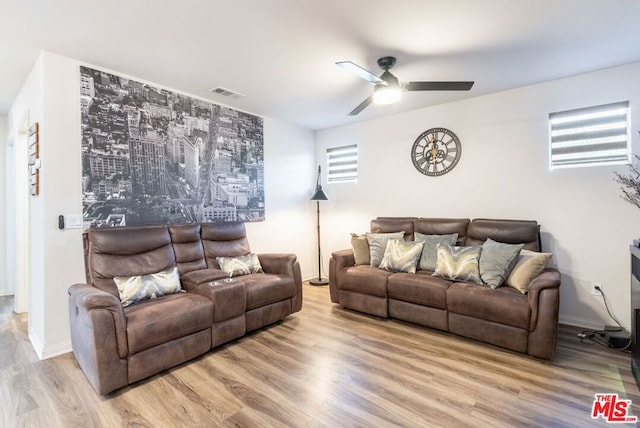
(525, 232)
(443, 226)
(394, 224)
(127, 251)
(187, 246)
(223, 239)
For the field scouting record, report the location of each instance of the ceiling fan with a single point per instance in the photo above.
(387, 87)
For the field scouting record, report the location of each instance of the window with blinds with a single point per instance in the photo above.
(589, 136)
(342, 164)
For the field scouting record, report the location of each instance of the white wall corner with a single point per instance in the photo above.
(45, 352)
(36, 342)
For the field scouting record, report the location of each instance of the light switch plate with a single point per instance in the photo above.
(73, 221)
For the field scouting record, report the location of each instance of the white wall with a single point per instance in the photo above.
(503, 173)
(4, 134)
(57, 260)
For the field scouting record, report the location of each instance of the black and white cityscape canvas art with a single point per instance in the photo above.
(152, 156)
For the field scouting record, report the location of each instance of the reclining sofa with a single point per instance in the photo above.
(502, 316)
(116, 344)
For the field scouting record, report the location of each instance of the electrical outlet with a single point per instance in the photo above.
(595, 289)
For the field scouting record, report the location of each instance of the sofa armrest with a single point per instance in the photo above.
(340, 259)
(98, 336)
(544, 300)
(281, 264)
(549, 279)
(191, 280)
(287, 265)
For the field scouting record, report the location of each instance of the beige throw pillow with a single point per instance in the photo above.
(530, 264)
(360, 249)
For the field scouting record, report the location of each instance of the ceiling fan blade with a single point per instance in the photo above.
(362, 106)
(438, 86)
(359, 71)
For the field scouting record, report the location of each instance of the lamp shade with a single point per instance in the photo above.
(319, 195)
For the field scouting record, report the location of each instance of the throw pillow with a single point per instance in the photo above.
(529, 265)
(360, 249)
(429, 252)
(401, 256)
(242, 265)
(458, 263)
(134, 289)
(378, 245)
(496, 261)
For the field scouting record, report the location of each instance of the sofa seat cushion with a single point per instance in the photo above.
(161, 320)
(266, 288)
(421, 288)
(503, 305)
(365, 280)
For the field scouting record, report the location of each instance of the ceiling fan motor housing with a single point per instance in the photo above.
(386, 62)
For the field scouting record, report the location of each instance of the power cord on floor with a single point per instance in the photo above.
(600, 336)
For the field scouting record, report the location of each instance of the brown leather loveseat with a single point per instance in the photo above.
(117, 345)
(502, 316)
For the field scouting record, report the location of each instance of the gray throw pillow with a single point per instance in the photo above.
(496, 261)
(378, 244)
(429, 252)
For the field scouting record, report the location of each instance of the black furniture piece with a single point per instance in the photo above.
(635, 312)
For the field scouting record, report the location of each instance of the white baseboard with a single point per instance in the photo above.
(55, 350)
(579, 322)
(49, 351)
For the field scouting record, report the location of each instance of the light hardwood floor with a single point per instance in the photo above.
(322, 367)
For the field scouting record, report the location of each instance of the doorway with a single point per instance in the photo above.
(18, 216)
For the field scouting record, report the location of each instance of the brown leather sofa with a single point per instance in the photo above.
(504, 317)
(116, 346)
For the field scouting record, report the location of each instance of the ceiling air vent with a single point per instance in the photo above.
(219, 90)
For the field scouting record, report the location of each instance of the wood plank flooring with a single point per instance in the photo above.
(323, 367)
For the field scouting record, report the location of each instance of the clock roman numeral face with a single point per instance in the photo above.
(436, 151)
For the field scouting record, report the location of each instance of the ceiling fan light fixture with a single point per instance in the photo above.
(387, 88)
(386, 94)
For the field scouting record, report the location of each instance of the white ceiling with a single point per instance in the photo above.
(281, 53)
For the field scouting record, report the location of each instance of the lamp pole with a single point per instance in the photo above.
(319, 196)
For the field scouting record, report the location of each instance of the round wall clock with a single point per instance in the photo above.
(436, 151)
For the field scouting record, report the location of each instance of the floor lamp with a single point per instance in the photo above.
(319, 196)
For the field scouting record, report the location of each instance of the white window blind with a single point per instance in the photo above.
(589, 136)
(342, 164)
